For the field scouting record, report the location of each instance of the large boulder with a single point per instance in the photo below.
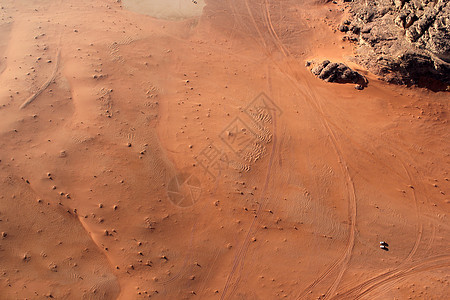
(337, 72)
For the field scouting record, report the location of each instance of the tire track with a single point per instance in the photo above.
(384, 277)
(417, 183)
(237, 21)
(331, 128)
(205, 280)
(47, 83)
(272, 30)
(351, 194)
(343, 261)
(186, 260)
(420, 224)
(262, 205)
(387, 277)
(316, 104)
(240, 257)
(263, 40)
(33, 97)
(368, 286)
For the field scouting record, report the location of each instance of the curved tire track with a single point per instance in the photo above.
(368, 286)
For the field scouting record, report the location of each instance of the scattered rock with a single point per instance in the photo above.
(26, 257)
(53, 267)
(99, 76)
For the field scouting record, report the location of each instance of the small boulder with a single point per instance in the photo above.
(343, 28)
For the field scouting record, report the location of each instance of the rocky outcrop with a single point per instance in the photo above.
(404, 41)
(337, 72)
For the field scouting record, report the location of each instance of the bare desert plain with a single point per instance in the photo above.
(182, 150)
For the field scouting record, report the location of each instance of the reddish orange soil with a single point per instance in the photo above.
(201, 159)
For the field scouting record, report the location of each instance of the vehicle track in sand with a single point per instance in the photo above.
(416, 185)
(184, 268)
(52, 77)
(272, 31)
(361, 290)
(239, 258)
(418, 215)
(384, 278)
(343, 261)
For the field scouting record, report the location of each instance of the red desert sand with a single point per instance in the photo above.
(196, 157)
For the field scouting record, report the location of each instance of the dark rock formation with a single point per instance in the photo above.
(404, 41)
(337, 72)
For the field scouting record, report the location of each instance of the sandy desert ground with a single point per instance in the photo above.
(198, 158)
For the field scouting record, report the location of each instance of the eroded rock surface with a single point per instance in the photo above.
(404, 41)
(337, 72)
